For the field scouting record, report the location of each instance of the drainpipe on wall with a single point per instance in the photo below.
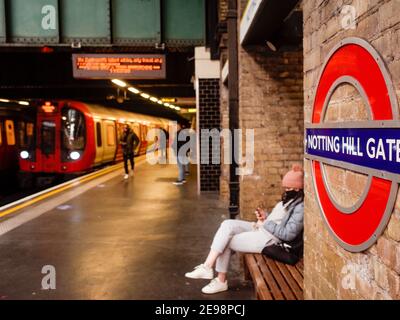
(233, 86)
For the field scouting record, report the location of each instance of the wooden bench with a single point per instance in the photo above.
(274, 280)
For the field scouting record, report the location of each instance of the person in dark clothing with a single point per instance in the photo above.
(164, 146)
(129, 142)
(181, 161)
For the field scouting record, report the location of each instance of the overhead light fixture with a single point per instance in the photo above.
(177, 108)
(23, 103)
(153, 99)
(145, 95)
(166, 104)
(119, 83)
(159, 102)
(4, 100)
(192, 110)
(133, 90)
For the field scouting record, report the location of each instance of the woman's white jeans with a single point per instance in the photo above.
(239, 236)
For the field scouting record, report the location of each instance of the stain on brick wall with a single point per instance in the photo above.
(330, 271)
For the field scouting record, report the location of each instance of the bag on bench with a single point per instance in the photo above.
(286, 252)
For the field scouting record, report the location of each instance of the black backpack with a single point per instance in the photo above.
(287, 252)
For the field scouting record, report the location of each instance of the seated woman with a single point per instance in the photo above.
(284, 223)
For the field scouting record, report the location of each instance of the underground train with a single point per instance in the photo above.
(73, 137)
(16, 130)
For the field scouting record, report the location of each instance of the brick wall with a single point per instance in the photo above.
(375, 272)
(209, 118)
(271, 103)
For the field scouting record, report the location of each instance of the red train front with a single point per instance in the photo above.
(61, 144)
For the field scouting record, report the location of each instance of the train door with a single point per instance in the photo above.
(99, 142)
(143, 137)
(110, 140)
(48, 143)
(136, 130)
(2, 147)
(10, 145)
(120, 131)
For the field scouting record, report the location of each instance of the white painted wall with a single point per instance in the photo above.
(205, 68)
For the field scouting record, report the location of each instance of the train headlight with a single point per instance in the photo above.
(24, 155)
(74, 155)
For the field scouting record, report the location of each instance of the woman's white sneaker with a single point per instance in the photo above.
(201, 272)
(215, 286)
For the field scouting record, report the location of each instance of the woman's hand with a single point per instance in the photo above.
(257, 225)
(261, 215)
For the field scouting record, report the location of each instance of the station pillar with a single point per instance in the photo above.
(207, 84)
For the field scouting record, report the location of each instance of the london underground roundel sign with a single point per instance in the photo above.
(370, 147)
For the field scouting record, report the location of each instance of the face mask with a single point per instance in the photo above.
(289, 195)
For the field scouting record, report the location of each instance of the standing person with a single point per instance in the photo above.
(284, 224)
(177, 145)
(164, 146)
(129, 142)
(188, 155)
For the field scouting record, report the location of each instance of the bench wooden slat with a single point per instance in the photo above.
(280, 280)
(275, 280)
(297, 276)
(259, 283)
(293, 285)
(300, 267)
(269, 279)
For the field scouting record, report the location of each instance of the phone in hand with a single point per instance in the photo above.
(260, 214)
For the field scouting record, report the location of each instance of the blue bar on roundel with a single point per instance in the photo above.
(375, 148)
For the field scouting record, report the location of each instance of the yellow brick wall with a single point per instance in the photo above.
(271, 103)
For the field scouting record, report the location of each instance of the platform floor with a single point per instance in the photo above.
(130, 239)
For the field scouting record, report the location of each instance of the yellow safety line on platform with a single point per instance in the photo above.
(53, 192)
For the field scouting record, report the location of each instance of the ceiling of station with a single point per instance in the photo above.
(48, 74)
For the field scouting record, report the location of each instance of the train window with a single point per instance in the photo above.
(73, 129)
(29, 129)
(98, 134)
(10, 133)
(26, 134)
(144, 133)
(110, 135)
(21, 133)
(48, 135)
(136, 129)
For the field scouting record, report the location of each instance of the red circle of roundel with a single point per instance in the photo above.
(357, 229)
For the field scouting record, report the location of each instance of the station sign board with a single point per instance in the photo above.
(369, 147)
(121, 66)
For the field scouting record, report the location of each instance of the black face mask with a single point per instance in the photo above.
(290, 195)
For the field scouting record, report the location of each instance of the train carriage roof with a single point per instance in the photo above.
(122, 116)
